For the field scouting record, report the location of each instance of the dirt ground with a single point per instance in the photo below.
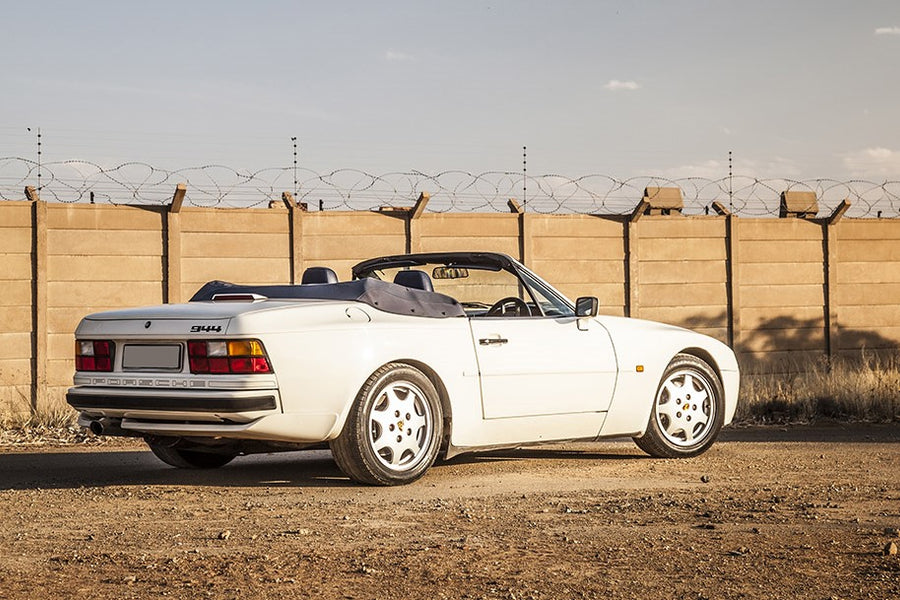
(767, 513)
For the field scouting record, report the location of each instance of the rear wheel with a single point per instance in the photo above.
(393, 432)
(190, 459)
(688, 410)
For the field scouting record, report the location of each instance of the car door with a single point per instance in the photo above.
(543, 365)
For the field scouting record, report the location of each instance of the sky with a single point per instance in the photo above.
(794, 89)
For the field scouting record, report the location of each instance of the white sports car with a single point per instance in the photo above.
(419, 356)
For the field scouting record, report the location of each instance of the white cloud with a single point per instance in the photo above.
(394, 56)
(874, 163)
(615, 85)
(887, 31)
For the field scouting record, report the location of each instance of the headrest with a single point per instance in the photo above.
(417, 280)
(319, 275)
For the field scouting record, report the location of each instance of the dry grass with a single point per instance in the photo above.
(57, 427)
(865, 389)
(59, 418)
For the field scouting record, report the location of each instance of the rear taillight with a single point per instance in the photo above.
(94, 355)
(228, 357)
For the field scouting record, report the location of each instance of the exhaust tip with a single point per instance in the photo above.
(96, 427)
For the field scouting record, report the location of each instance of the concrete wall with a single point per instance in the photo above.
(252, 247)
(682, 273)
(781, 276)
(16, 303)
(781, 291)
(582, 255)
(866, 275)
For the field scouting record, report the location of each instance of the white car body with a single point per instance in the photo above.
(545, 379)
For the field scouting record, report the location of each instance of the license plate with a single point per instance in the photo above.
(151, 357)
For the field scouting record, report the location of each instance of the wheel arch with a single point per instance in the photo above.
(706, 357)
(724, 365)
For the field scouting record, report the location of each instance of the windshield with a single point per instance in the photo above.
(487, 292)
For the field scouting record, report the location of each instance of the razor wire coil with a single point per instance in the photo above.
(219, 186)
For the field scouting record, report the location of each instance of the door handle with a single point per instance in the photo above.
(492, 341)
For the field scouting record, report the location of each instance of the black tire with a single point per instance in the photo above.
(688, 410)
(394, 429)
(190, 459)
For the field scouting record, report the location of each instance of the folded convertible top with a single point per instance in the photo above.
(388, 297)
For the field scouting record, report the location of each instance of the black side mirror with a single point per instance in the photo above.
(587, 306)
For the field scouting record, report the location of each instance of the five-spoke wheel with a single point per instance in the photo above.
(393, 432)
(400, 424)
(687, 411)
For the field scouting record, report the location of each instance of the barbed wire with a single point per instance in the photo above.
(75, 181)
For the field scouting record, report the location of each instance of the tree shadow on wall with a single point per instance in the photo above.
(787, 374)
(784, 336)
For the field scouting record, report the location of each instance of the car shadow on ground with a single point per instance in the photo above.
(548, 452)
(307, 468)
(66, 470)
(61, 469)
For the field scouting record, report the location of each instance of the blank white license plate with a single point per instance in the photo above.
(151, 356)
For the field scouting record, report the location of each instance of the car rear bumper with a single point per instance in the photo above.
(93, 399)
(236, 414)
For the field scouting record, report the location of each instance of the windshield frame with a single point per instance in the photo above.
(491, 261)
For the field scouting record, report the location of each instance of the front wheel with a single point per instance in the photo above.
(190, 459)
(394, 429)
(688, 410)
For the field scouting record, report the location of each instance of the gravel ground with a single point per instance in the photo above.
(801, 512)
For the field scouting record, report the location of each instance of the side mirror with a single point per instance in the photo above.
(587, 306)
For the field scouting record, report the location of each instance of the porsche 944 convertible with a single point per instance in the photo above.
(419, 356)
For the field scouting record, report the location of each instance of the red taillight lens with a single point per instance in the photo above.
(218, 365)
(240, 364)
(227, 357)
(196, 349)
(94, 355)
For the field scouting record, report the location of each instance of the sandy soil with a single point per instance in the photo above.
(767, 513)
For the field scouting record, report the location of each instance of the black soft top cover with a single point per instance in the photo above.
(387, 297)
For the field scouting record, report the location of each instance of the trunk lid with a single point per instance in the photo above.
(176, 320)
